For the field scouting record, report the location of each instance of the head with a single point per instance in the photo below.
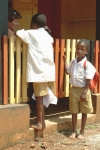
(82, 48)
(13, 19)
(38, 21)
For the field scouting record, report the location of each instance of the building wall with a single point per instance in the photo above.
(52, 10)
(78, 19)
(3, 17)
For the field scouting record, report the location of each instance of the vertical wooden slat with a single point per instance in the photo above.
(5, 69)
(61, 77)
(92, 51)
(24, 67)
(73, 49)
(99, 68)
(11, 70)
(18, 70)
(56, 57)
(66, 81)
(96, 60)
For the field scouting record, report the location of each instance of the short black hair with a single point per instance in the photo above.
(39, 20)
(13, 14)
(86, 43)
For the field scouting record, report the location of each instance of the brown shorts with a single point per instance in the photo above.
(41, 89)
(75, 105)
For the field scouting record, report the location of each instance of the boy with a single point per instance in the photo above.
(80, 95)
(40, 64)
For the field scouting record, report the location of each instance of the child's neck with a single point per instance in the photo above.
(80, 58)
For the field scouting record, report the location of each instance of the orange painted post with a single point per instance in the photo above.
(61, 65)
(5, 69)
(96, 50)
(56, 59)
(99, 69)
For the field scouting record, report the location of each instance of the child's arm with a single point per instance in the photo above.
(65, 63)
(83, 96)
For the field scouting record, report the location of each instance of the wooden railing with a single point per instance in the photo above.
(17, 67)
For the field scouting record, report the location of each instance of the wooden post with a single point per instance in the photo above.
(18, 70)
(5, 69)
(66, 82)
(56, 59)
(61, 73)
(11, 70)
(24, 68)
(96, 50)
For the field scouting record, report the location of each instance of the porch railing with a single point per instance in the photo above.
(17, 53)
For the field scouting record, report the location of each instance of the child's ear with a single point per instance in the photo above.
(32, 26)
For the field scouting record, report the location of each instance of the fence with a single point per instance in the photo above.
(17, 91)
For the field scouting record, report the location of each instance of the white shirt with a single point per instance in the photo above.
(40, 64)
(79, 74)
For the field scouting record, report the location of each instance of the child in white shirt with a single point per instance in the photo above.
(40, 63)
(80, 95)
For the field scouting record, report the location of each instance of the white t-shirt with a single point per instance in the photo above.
(78, 74)
(40, 63)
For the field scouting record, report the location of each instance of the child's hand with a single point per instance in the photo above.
(83, 97)
(64, 57)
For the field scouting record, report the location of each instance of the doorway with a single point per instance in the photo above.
(27, 8)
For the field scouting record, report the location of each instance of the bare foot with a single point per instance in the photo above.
(37, 127)
(72, 136)
(43, 125)
(80, 137)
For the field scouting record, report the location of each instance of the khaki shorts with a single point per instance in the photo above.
(41, 89)
(75, 106)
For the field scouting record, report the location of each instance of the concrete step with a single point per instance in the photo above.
(60, 121)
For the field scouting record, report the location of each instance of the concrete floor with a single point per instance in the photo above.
(58, 117)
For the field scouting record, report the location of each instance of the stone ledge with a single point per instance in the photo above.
(14, 124)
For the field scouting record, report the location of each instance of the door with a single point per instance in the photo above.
(27, 9)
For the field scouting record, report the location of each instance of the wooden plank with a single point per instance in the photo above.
(11, 70)
(99, 69)
(96, 50)
(66, 77)
(92, 51)
(18, 70)
(56, 59)
(73, 49)
(61, 74)
(5, 69)
(24, 67)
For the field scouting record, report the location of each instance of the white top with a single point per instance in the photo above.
(40, 64)
(48, 99)
(79, 74)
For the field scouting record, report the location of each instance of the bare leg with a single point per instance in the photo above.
(43, 118)
(39, 112)
(83, 123)
(74, 126)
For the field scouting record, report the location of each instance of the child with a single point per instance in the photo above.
(40, 64)
(80, 95)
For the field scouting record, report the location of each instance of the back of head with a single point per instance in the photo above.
(39, 20)
(85, 42)
(13, 14)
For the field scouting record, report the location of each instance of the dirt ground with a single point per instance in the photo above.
(61, 141)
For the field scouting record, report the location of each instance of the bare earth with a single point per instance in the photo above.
(61, 141)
